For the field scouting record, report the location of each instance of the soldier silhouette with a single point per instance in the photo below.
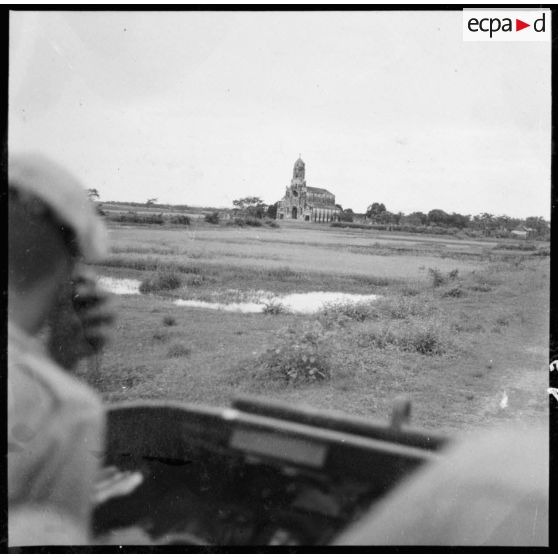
(55, 422)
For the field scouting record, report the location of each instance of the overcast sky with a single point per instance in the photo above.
(202, 108)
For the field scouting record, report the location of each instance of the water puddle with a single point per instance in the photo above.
(120, 286)
(249, 302)
(308, 303)
(504, 401)
(295, 303)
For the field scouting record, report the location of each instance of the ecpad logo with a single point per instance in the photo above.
(506, 25)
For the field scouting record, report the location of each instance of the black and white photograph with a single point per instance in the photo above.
(279, 276)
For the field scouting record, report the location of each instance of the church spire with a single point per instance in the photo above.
(299, 169)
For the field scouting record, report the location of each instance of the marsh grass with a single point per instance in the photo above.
(426, 337)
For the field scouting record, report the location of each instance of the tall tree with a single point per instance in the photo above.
(272, 210)
(438, 217)
(416, 218)
(374, 210)
(348, 215)
(252, 205)
(538, 224)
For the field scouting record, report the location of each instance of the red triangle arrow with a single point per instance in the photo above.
(519, 25)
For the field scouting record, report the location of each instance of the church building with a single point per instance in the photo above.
(306, 203)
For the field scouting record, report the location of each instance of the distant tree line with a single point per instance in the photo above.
(254, 207)
(485, 224)
(436, 220)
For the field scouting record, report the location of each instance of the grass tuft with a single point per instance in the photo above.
(178, 350)
(169, 320)
(274, 308)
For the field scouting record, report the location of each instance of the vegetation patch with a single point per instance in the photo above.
(178, 350)
(281, 274)
(525, 246)
(121, 379)
(340, 313)
(300, 355)
(169, 320)
(161, 336)
(183, 220)
(426, 337)
(161, 281)
(195, 280)
(252, 222)
(136, 218)
(212, 218)
(274, 308)
(454, 292)
(403, 307)
(438, 278)
(543, 252)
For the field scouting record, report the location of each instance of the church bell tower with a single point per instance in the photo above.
(298, 182)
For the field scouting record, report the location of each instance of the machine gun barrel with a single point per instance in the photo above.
(339, 422)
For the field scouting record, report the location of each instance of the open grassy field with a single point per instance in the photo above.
(461, 326)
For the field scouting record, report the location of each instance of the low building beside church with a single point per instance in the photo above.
(305, 203)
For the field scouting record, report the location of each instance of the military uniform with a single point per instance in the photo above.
(55, 422)
(55, 440)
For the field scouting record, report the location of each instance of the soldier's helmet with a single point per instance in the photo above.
(35, 176)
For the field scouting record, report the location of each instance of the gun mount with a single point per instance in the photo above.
(258, 473)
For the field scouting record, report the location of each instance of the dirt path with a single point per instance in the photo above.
(520, 393)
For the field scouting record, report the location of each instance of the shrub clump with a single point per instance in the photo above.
(179, 220)
(454, 292)
(424, 337)
(340, 313)
(424, 340)
(161, 281)
(212, 218)
(438, 278)
(169, 320)
(161, 336)
(299, 356)
(273, 308)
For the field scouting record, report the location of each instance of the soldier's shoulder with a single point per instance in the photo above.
(39, 387)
